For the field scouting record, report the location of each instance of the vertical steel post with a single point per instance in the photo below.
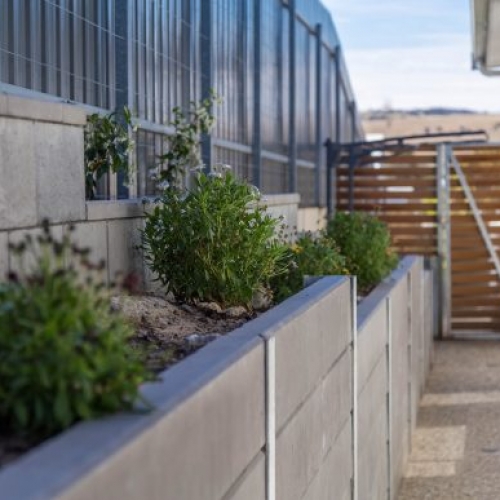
(319, 115)
(444, 239)
(354, 375)
(206, 51)
(389, 394)
(270, 353)
(353, 109)
(292, 176)
(352, 165)
(122, 79)
(257, 91)
(329, 177)
(338, 89)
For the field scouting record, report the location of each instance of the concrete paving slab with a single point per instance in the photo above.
(458, 428)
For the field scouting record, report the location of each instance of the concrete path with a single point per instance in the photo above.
(456, 447)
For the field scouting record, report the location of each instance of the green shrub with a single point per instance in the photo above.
(214, 243)
(183, 146)
(63, 355)
(365, 242)
(308, 257)
(108, 147)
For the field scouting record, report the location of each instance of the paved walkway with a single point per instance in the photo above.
(456, 447)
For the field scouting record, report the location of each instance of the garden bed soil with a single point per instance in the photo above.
(166, 333)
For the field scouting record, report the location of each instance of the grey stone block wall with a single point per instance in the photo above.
(292, 370)
(42, 176)
(209, 434)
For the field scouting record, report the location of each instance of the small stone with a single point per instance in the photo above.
(196, 340)
(186, 307)
(210, 307)
(235, 312)
(261, 300)
(115, 304)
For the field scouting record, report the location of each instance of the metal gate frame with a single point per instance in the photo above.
(461, 197)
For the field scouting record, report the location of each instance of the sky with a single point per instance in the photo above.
(407, 54)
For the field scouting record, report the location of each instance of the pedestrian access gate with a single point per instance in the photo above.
(438, 200)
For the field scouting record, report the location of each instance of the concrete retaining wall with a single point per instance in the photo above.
(293, 405)
(42, 176)
(395, 333)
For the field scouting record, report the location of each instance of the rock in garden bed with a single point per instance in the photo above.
(167, 332)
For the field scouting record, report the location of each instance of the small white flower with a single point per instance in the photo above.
(199, 168)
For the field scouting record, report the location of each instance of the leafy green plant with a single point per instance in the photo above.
(365, 242)
(214, 243)
(108, 147)
(63, 354)
(309, 256)
(183, 147)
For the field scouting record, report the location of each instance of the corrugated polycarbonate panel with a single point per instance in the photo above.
(274, 45)
(240, 163)
(233, 48)
(306, 93)
(69, 48)
(59, 47)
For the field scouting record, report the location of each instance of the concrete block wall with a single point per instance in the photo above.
(293, 405)
(42, 176)
(394, 347)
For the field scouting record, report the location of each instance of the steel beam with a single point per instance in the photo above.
(444, 239)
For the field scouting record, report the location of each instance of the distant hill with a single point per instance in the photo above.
(382, 114)
(392, 123)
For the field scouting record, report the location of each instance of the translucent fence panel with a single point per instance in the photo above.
(154, 55)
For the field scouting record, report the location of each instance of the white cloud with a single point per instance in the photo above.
(415, 77)
(393, 8)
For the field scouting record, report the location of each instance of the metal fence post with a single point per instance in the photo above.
(338, 89)
(354, 360)
(353, 109)
(389, 395)
(319, 115)
(292, 182)
(329, 177)
(270, 353)
(206, 51)
(257, 90)
(122, 77)
(444, 239)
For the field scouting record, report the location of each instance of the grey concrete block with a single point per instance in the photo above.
(33, 109)
(337, 399)
(252, 486)
(299, 449)
(372, 344)
(93, 235)
(60, 172)
(116, 209)
(124, 251)
(29, 259)
(333, 480)
(372, 401)
(307, 347)
(73, 115)
(373, 461)
(4, 256)
(3, 104)
(18, 206)
(305, 441)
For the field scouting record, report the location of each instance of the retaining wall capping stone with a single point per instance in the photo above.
(292, 370)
